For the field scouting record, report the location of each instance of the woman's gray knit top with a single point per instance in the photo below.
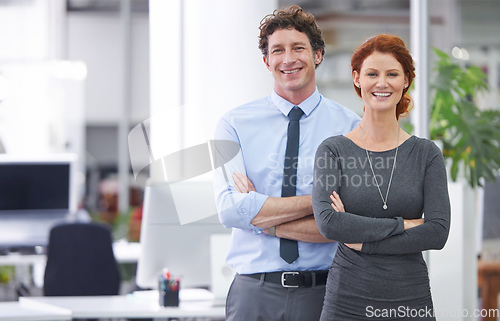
(389, 271)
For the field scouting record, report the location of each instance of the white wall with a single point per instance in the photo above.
(97, 40)
(453, 270)
(24, 30)
(46, 94)
(204, 61)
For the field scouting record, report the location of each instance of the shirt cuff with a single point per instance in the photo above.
(249, 208)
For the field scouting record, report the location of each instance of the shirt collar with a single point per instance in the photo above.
(307, 105)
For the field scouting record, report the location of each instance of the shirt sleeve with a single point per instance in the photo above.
(433, 234)
(342, 226)
(234, 209)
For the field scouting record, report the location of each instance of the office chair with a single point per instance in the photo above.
(80, 261)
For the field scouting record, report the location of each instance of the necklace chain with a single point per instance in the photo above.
(373, 172)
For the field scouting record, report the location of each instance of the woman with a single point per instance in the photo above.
(371, 189)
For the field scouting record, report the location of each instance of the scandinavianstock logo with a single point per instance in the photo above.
(176, 172)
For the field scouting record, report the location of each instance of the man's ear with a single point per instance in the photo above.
(266, 61)
(318, 56)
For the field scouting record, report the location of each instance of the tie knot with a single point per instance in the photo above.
(295, 113)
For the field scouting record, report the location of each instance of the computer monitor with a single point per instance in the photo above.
(184, 249)
(35, 192)
(490, 239)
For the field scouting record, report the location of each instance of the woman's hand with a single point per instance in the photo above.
(355, 246)
(412, 223)
(337, 204)
(242, 183)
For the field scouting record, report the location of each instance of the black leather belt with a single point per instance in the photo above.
(292, 279)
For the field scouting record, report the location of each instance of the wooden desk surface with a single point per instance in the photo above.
(488, 267)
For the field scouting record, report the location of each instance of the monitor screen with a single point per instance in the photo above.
(491, 210)
(34, 186)
(36, 192)
(184, 249)
(489, 241)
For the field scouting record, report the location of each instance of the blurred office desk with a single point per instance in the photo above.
(489, 283)
(125, 252)
(130, 306)
(23, 262)
(17, 259)
(17, 311)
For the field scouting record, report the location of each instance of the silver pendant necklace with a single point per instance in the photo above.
(371, 167)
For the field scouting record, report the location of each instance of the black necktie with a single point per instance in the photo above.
(289, 250)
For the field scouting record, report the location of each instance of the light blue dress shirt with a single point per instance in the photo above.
(260, 129)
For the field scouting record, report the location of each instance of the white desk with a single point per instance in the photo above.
(127, 306)
(126, 252)
(23, 263)
(17, 311)
(17, 259)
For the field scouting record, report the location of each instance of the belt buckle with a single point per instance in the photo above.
(283, 279)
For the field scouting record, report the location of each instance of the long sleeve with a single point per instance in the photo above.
(235, 209)
(431, 235)
(343, 226)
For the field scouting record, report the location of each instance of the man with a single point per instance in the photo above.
(253, 190)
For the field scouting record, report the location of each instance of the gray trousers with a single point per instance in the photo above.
(252, 300)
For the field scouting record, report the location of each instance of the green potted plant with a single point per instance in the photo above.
(6, 273)
(470, 135)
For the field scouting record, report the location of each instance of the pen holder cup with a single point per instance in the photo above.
(169, 298)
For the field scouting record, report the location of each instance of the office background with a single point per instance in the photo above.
(85, 62)
(82, 73)
(107, 63)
